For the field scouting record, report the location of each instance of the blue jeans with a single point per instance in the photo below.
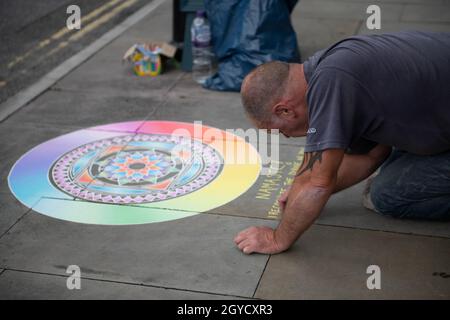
(413, 186)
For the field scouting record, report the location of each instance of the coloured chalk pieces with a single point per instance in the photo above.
(135, 173)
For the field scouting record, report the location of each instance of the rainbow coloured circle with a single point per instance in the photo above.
(134, 173)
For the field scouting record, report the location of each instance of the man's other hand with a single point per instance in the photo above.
(258, 240)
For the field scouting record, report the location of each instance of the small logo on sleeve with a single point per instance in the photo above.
(311, 131)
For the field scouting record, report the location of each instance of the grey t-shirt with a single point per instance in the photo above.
(392, 89)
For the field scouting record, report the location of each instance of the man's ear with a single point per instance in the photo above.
(283, 111)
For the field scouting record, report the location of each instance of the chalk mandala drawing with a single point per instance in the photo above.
(132, 173)
(136, 169)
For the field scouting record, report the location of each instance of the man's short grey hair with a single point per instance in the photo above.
(263, 87)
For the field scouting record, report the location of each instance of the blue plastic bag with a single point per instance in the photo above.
(247, 33)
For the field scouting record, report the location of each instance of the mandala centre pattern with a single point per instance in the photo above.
(136, 169)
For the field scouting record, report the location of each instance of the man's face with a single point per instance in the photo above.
(290, 118)
(289, 127)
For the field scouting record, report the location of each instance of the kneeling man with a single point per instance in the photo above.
(366, 103)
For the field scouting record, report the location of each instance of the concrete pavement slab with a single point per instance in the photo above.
(156, 26)
(117, 79)
(331, 263)
(82, 109)
(220, 113)
(314, 34)
(345, 209)
(11, 211)
(23, 97)
(346, 10)
(187, 88)
(195, 253)
(426, 13)
(16, 285)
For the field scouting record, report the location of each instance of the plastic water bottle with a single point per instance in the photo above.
(201, 48)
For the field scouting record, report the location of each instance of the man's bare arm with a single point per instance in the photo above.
(356, 168)
(353, 169)
(312, 187)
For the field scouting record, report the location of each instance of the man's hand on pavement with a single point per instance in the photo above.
(261, 239)
(313, 185)
(258, 240)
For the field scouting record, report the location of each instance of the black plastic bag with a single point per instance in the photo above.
(247, 33)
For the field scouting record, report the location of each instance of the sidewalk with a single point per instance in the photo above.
(195, 258)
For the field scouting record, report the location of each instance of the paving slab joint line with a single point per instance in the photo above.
(212, 212)
(15, 223)
(127, 283)
(260, 278)
(386, 231)
(209, 212)
(25, 96)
